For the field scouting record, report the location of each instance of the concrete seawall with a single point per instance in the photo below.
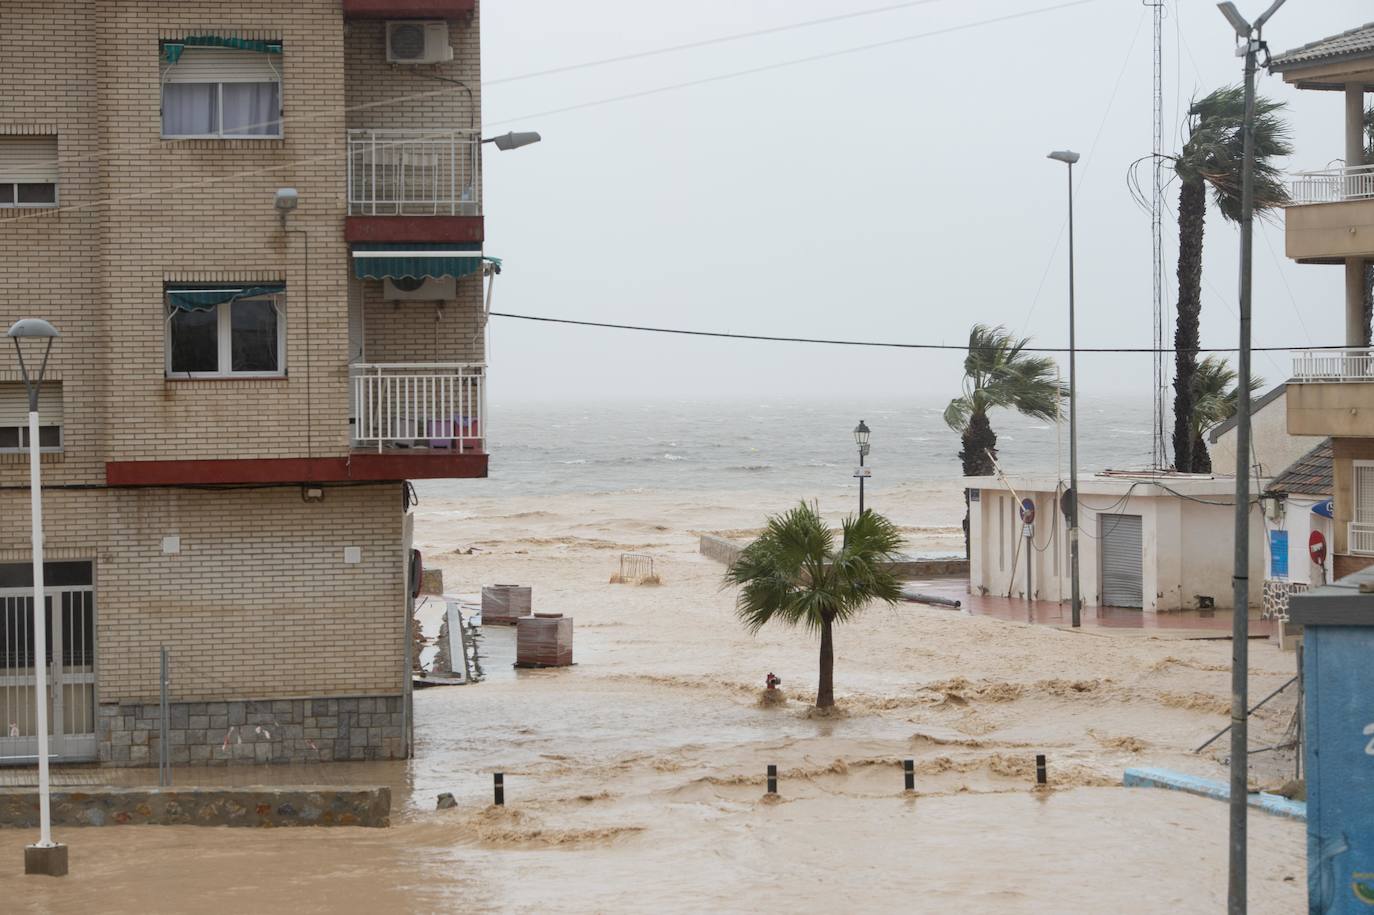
(297, 805)
(725, 552)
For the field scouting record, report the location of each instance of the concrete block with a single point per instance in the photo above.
(196, 708)
(237, 714)
(198, 722)
(216, 708)
(180, 717)
(138, 755)
(50, 861)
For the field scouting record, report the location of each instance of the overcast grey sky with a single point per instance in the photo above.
(900, 193)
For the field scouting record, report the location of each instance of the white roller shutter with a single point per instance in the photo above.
(1122, 560)
(28, 159)
(14, 404)
(223, 65)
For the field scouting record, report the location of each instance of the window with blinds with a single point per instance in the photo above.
(221, 93)
(28, 171)
(14, 417)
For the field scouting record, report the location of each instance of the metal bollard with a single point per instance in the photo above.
(772, 779)
(1040, 769)
(499, 782)
(909, 771)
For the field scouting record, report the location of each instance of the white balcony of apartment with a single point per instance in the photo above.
(1331, 393)
(1330, 215)
(417, 185)
(419, 408)
(420, 172)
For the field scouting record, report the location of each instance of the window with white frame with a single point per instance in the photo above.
(14, 417)
(221, 93)
(233, 332)
(28, 171)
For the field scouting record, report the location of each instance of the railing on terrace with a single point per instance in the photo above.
(1361, 539)
(432, 405)
(1337, 365)
(1333, 185)
(414, 173)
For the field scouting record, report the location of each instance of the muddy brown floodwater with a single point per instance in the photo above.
(635, 780)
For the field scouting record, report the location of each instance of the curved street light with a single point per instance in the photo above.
(46, 857)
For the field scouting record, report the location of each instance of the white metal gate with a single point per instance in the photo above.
(1122, 560)
(69, 612)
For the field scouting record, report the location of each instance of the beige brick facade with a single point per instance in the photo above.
(259, 604)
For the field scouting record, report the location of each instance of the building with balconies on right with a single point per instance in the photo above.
(1330, 220)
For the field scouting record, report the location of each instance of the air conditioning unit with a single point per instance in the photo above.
(414, 289)
(417, 43)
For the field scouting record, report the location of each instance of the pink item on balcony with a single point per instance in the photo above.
(464, 427)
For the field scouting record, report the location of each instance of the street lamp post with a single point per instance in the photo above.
(47, 857)
(1071, 504)
(861, 432)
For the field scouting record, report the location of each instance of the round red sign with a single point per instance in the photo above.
(1316, 546)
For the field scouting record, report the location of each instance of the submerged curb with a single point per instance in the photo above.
(1209, 787)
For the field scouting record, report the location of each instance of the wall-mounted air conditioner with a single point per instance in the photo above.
(414, 289)
(417, 43)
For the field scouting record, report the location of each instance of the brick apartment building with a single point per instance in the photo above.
(1329, 222)
(236, 401)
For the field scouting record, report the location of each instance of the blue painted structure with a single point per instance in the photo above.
(1213, 788)
(1338, 679)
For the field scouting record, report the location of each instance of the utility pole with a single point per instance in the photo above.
(1240, 615)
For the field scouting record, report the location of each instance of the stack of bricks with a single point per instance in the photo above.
(544, 640)
(504, 605)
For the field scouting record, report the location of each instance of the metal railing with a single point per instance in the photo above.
(1361, 539)
(1332, 185)
(1354, 364)
(414, 173)
(430, 405)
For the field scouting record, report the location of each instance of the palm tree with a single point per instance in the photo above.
(1215, 399)
(1212, 157)
(794, 574)
(998, 373)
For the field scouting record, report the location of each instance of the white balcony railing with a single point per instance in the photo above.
(1333, 185)
(432, 405)
(1333, 365)
(414, 173)
(1361, 539)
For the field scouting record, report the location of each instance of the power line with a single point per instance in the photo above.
(48, 212)
(882, 343)
(705, 42)
(793, 62)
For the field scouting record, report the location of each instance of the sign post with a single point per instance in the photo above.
(1028, 531)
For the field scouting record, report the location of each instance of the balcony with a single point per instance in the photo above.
(414, 186)
(1331, 216)
(1360, 539)
(1332, 393)
(410, 421)
(419, 407)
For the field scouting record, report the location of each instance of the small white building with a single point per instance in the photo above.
(1157, 541)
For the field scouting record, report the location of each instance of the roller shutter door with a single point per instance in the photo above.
(1122, 563)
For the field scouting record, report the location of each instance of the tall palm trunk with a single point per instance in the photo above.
(1202, 461)
(978, 440)
(825, 691)
(1192, 212)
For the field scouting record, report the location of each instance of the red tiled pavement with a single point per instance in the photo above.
(1052, 613)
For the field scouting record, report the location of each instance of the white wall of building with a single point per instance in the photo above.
(1186, 542)
(1271, 445)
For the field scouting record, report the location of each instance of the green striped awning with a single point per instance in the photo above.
(172, 50)
(203, 298)
(415, 259)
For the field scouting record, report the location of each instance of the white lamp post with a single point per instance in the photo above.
(1069, 157)
(47, 857)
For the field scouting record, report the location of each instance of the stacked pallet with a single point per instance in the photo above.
(503, 605)
(544, 640)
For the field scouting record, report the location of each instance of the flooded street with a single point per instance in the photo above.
(635, 779)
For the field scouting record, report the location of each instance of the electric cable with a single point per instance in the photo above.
(887, 344)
